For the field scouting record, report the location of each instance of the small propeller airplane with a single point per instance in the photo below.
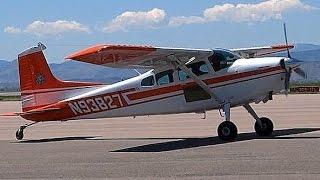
(179, 80)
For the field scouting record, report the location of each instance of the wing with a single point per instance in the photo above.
(123, 56)
(261, 51)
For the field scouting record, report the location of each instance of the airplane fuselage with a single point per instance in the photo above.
(245, 81)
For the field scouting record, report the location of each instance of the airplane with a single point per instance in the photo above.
(176, 80)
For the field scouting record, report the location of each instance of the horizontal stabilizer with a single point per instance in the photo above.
(11, 114)
(35, 111)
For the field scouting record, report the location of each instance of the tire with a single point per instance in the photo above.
(266, 129)
(227, 131)
(19, 134)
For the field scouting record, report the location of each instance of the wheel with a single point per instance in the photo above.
(227, 131)
(19, 134)
(266, 129)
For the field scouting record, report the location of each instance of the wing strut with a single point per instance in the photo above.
(178, 63)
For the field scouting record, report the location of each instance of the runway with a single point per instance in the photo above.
(181, 146)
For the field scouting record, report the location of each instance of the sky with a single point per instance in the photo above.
(67, 26)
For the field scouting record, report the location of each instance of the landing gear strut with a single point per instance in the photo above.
(263, 126)
(227, 130)
(19, 132)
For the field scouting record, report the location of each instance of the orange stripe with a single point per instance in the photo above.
(154, 92)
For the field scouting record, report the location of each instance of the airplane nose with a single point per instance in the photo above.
(292, 62)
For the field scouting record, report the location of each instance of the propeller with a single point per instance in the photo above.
(300, 72)
(286, 39)
(290, 64)
(288, 71)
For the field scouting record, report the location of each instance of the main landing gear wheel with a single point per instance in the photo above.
(227, 131)
(265, 128)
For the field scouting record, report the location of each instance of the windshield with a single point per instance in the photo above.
(222, 59)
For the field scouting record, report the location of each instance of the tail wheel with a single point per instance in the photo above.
(265, 128)
(19, 134)
(227, 131)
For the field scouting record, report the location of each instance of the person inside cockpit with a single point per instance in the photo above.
(222, 59)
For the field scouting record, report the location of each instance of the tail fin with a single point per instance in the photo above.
(38, 85)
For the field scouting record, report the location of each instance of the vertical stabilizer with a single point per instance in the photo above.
(38, 85)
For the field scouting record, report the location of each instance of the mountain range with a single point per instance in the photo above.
(72, 70)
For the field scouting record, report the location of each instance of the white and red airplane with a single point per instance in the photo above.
(180, 80)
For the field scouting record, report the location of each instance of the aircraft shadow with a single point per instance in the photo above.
(72, 138)
(187, 143)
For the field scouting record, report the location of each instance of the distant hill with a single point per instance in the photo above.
(304, 53)
(69, 70)
(305, 47)
(79, 71)
(72, 70)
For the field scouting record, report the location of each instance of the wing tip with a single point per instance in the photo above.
(84, 52)
(282, 46)
(91, 52)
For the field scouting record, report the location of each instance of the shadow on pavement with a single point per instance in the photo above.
(182, 143)
(59, 139)
(209, 141)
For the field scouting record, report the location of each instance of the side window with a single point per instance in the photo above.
(198, 68)
(148, 81)
(182, 75)
(165, 77)
(217, 61)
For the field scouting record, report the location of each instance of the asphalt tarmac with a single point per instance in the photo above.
(181, 146)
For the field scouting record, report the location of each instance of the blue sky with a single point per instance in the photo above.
(66, 26)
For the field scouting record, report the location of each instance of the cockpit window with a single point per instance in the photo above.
(198, 68)
(148, 81)
(222, 59)
(165, 77)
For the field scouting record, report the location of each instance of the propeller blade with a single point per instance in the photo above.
(287, 76)
(300, 72)
(287, 80)
(286, 38)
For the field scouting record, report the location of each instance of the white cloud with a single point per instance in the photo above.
(55, 28)
(270, 9)
(41, 28)
(12, 30)
(180, 20)
(140, 19)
